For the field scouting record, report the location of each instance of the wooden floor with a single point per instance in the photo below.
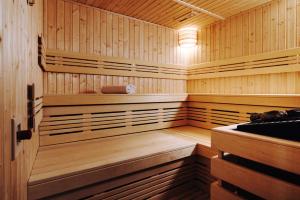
(67, 160)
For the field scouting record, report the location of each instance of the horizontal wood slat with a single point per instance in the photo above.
(129, 181)
(220, 193)
(284, 190)
(88, 99)
(104, 160)
(76, 118)
(210, 111)
(273, 149)
(266, 63)
(255, 100)
(73, 62)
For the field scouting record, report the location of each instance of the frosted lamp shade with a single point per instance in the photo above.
(187, 37)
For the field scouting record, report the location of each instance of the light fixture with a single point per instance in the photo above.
(187, 37)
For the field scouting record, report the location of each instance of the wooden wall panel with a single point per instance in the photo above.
(20, 25)
(66, 83)
(76, 27)
(281, 83)
(271, 27)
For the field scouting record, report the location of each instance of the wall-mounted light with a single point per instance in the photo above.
(187, 37)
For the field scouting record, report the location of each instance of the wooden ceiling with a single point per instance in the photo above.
(171, 14)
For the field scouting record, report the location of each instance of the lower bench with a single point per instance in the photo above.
(149, 164)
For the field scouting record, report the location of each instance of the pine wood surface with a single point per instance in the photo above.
(271, 27)
(219, 193)
(20, 26)
(103, 156)
(92, 99)
(279, 153)
(265, 150)
(171, 14)
(72, 62)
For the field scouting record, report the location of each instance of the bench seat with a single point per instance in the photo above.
(74, 165)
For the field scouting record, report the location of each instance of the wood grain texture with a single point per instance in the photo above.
(259, 184)
(70, 83)
(209, 111)
(92, 30)
(94, 116)
(273, 26)
(264, 63)
(20, 25)
(160, 180)
(155, 148)
(262, 165)
(93, 64)
(223, 139)
(171, 14)
(219, 193)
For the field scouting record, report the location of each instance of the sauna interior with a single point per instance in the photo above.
(149, 99)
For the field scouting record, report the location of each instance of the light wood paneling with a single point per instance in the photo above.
(107, 117)
(82, 63)
(118, 156)
(260, 167)
(166, 180)
(169, 13)
(91, 30)
(271, 27)
(20, 25)
(264, 63)
(209, 111)
(282, 83)
(66, 83)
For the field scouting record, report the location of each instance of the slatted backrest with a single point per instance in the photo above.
(275, 62)
(80, 117)
(72, 62)
(209, 111)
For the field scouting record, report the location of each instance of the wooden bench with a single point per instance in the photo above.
(139, 146)
(88, 140)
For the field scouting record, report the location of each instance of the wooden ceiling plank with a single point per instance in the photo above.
(145, 5)
(180, 12)
(164, 12)
(158, 11)
(142, 6)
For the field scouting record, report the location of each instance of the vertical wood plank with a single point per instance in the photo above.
(121, 36)
(83, 29)
(60, 16)
(75, 28)
(90, 30)
(51, 30)
(97, 32)
(109, 34)
(68, 26)
(115, 35)
(103, 33)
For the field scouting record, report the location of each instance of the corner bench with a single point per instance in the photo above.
(137, 146)
(76, 165)
(97, 145)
